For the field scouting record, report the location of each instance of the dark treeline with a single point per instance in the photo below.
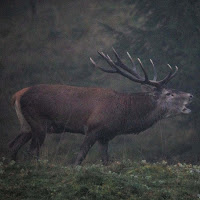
(53, 43)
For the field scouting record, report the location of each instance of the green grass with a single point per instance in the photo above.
(128, 180)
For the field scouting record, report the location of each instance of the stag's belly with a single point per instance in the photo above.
(57, 127)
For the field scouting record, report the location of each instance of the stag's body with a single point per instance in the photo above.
(100, 114)
(89, 108)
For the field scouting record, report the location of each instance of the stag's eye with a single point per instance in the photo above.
(168, 94)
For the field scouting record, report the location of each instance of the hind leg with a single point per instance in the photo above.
(18, 142)
(37, 126)
(36, 143)
(12, 143)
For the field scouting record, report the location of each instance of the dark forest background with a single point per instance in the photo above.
(51, 42)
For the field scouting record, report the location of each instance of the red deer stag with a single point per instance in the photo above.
(100, 114)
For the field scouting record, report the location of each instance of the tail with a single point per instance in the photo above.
(17, 96)
(15, 101)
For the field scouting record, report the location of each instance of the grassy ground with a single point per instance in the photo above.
(44, 180)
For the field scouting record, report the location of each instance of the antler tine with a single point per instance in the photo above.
(117, 56)
(101, 54)
(123, 66)
(105, 70)
(145, 74)
(154, 71)
(107, 58)
(131, 59)
(166, 79)
(173, 75)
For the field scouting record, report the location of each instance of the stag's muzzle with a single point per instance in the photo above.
(185, 108)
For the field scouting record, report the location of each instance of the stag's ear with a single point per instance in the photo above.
(147, 88)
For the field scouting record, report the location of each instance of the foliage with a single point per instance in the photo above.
(127, 180)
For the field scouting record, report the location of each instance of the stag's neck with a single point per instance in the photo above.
(143, 111)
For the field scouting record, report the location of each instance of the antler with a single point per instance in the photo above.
(131, 73)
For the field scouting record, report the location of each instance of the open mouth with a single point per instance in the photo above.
(186, 110)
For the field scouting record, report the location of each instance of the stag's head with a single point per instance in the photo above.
(173, 102)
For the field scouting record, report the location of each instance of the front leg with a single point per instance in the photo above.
(103, 147)
(88, 142)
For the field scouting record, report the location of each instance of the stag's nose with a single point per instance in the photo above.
(191, 96)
